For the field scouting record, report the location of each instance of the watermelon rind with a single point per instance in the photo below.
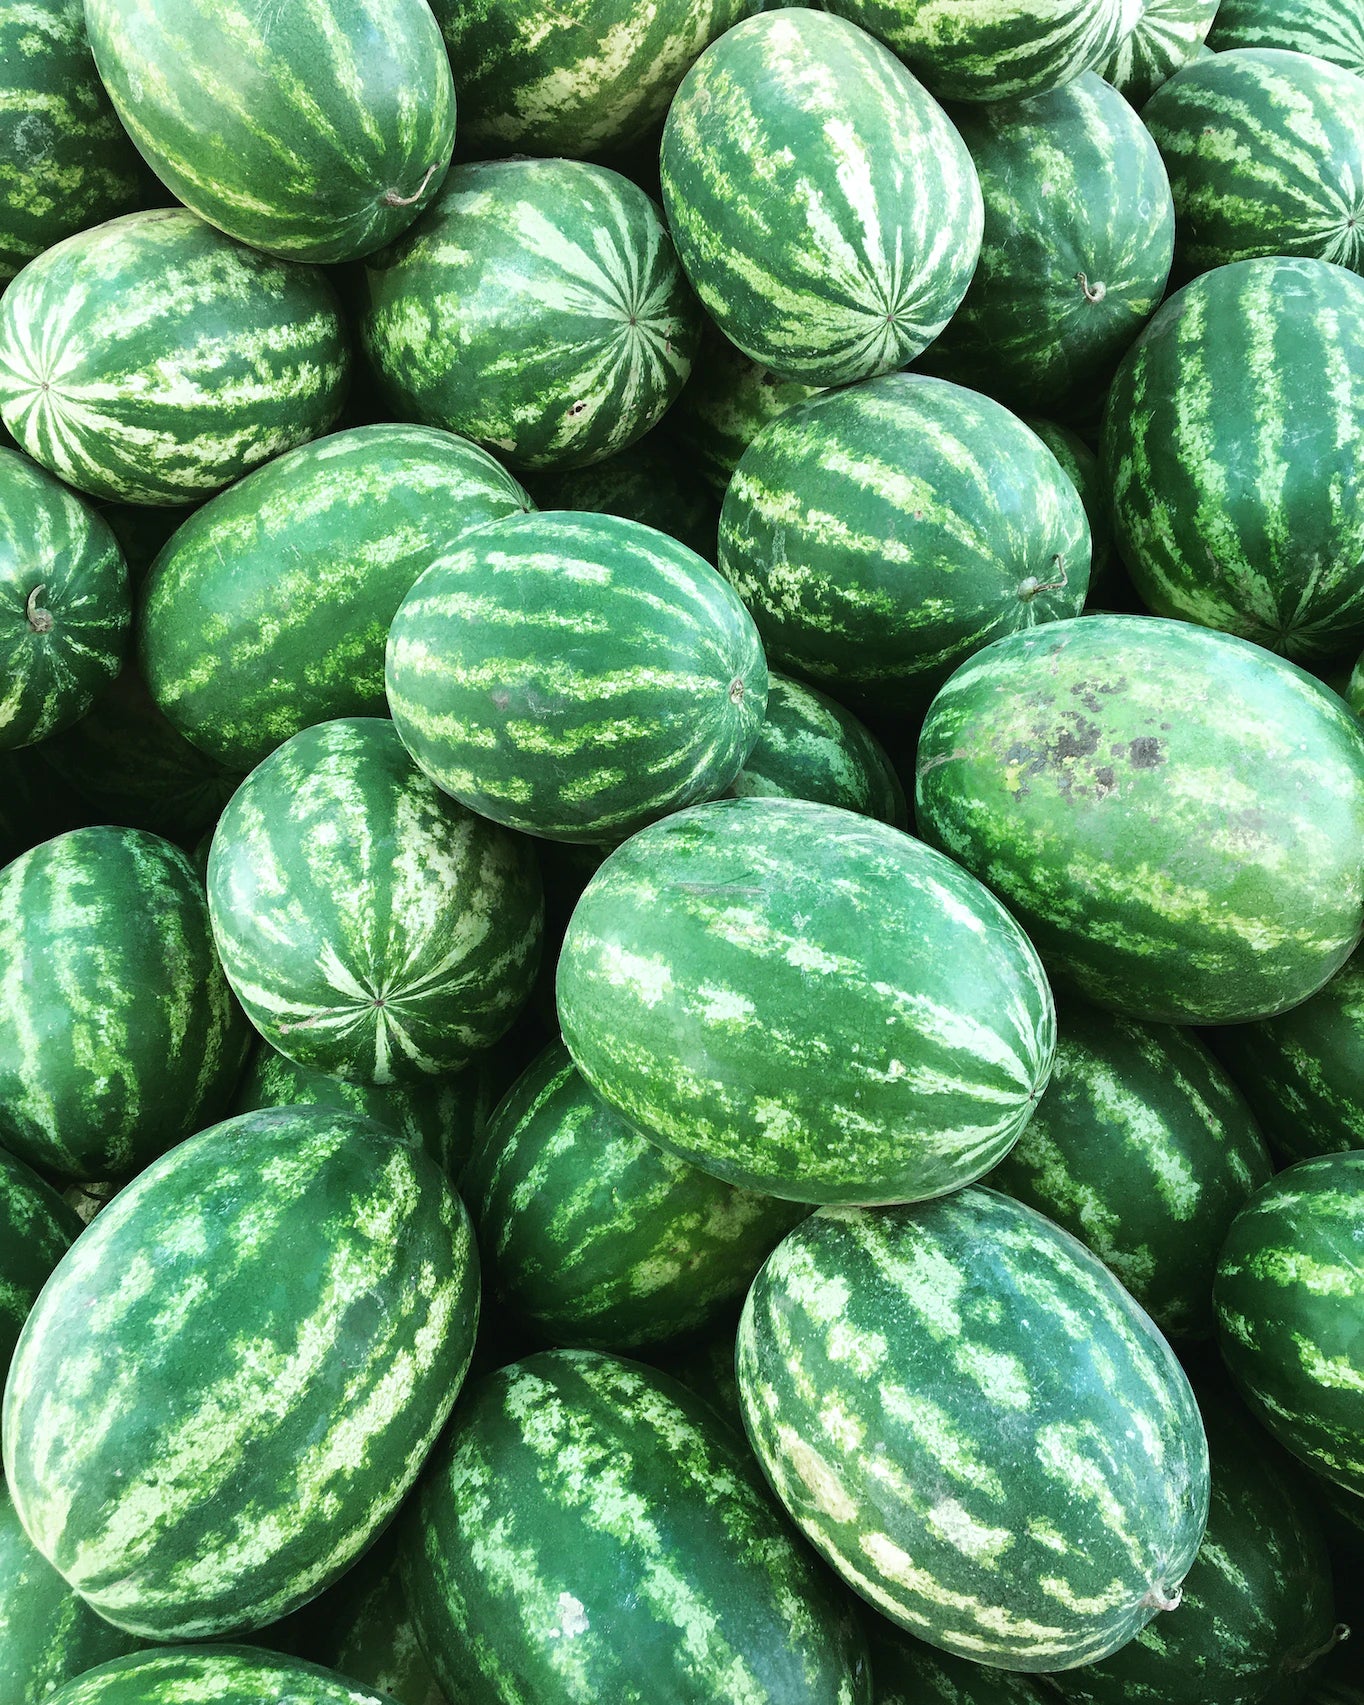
(227, 1675)
(1330, 29)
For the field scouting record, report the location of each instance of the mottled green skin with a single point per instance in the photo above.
(332, 121)
(652, 482)
(575, 676)
(809, 747)
(906, 1672)
(1289, 1295)
(224, 1675)
(1001, 50)
(36, 1229)
(537, 308)
(725, 405)
(1079, 234)
(1144, 1149)
(1233, 446)
(1303, 1072)
(589, 1531)
(830, 241)
(1330, 29)
(118, 1033)
(372, 927)
(65, 162)
(47, 1634)
(443, 1116)
(972, 1421)
(594, 1236)
(1173, 815)
(1107, 582)
(64, 604)
(1258, 1605)
(1265, 151)
(882, 533)
(267, 611)
(237, 1370)
(151, 360)
(1169, 33)
(575, 77)
(805, 1003)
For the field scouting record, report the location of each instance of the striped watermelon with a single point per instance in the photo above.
(267, 611)
(371, 927)
(153, 361)
(805, 1003)
(1079, 234)
(65, 162)
(205, 1459)
(1173, 815)
(118, 1034)
(1108, 586)
(36, 1229)
(829, 238)
(1144, 1150)
(648, 482)
(589, 1531)
(1227, 514)
(882, 533)
(972, 1421)
(595, 1237)
(1265, 151)
(1169, 33)
(725, 405)
(227, 1675)
(575, 676)
(537, 308)
(64, 587)
(1289, 1295)
(906, 1672)
(316, 131)
(1330, 29)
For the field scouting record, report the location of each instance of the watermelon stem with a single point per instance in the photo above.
(393, 199)
(1030, 587)
(1340, 1632)
(39, 620)
(1159, 1599)
(736, 690)
(1093, 292)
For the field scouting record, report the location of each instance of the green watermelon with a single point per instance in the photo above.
(805, 1003)
(1233, 447)
(1108, 587)
(575, 676)
(1169, 33)
(882, 533)
(153, 361)
(829, 238)
(118, 1033)
(904, 1671)
(1289, 1295)
(284, 1310)
(225, 1675)
(595, 1237)
(65, 161)
(1145, 1150)
(647, 482)
(725, 405)
(267, 611)
(1265, 151)
(372, 927)
(36, 1229)
(1330, 29)
(972, 1421)
(1173, 815)
(537, 308)
(64, 587)
(589, 1531)
(1079, 234)
(316, 131)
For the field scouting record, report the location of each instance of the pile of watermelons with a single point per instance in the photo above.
(681, 831)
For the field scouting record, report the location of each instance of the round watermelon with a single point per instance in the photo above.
(725, 405)
(1169, 33)
(1330, 29)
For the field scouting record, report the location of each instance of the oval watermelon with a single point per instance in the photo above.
(1330, 29)
(228, 1675)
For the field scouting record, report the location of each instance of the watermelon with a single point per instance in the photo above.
(537, 308)
(36, 1229)
(1079, 234)
(1169, 33)
(972, 1421)
(118, 1033)
(267, 611)
(1330, 29)
(64, 585)
(47, 1634)
(65, 161)
(589, 1531)
(316, 132)
(829, 239)
(575, 676)
(907, 1672)
(648, 482)
(1303, 1072)
(809, 747)
(372, 927)
(204, 1460)
(572, 78)
(1265, 151)
(882, 533)
(805, 1003)
(227, 1675)
(725, 405)
(153, 361)
(1108, 587)
(1289, 1294)
(1233, 446)
(1144, 1149)
(595, 1237)
(1173, 815)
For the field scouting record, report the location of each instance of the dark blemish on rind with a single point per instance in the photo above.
(1080, 741)
(1145, 753)
(1104, 780)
